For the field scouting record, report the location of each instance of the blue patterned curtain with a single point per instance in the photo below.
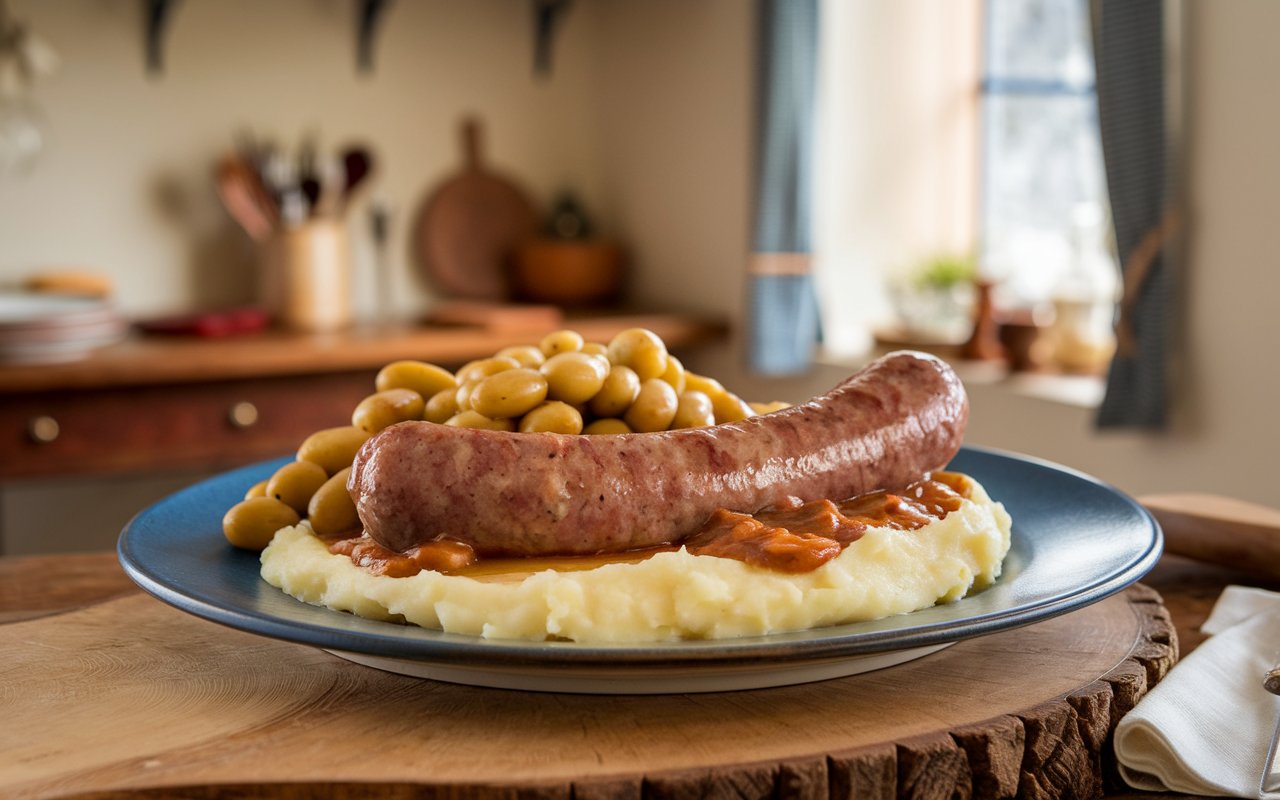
(783, 310)
(1129, 49)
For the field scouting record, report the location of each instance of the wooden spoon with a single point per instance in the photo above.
(238, 190)
(357, 164)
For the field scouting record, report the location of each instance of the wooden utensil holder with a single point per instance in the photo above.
(306, 276)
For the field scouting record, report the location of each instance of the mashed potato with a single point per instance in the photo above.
(672, 595)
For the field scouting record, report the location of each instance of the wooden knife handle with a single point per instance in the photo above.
(1220, 530)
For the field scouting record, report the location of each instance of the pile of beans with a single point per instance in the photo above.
(561, 385)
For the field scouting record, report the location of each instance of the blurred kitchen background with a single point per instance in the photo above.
(162, 156)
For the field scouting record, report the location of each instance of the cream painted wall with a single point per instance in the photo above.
(673, 93)
(125, 184)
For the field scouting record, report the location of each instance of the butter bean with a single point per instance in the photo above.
(295, 483)
(574, 377)
(474, 419)
(674, 374)
(526, 355)
(333, 448)
(561, 342)
(654, 408)
(618, 392)
(386, 408)
(604, 427)
(511, 393)
(331, 511)
(251, 523)
(552, 417)
(642, 350)
(482, 368)
(442, 405)
(694, 410)
(419, 376)
(730, 408)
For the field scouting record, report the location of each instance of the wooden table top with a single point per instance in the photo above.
(255, 717)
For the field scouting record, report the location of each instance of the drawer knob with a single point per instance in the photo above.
(43, 429)
(243, 415)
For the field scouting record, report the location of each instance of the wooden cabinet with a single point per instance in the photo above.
(205, 424)
(154, 404)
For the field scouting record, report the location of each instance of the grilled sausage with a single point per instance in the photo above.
(528, 494)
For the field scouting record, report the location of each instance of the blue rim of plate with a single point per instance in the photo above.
(1076, 540)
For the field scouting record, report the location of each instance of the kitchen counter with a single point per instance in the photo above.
(157, 403)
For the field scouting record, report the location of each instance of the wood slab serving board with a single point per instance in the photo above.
(128, 697)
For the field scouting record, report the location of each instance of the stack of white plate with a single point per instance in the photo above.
(38, 328)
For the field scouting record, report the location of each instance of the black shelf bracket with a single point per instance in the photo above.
(158, 14)
(369, 15)
(547, 17)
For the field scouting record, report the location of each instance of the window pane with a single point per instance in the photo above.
(1043, 163)
(1043, 184)
(1039, 40)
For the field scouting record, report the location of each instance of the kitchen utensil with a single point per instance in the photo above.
(331, 181)
(237, 187)
(1219, 530)
(380, 233)
(309, 182)
(471, 226)
(1271, 766)
(357, 164)
(253, 154)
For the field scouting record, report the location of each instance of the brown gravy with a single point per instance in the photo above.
(792, 537)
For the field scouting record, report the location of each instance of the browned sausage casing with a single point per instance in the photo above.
(528, 494)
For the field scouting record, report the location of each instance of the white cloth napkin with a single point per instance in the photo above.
(1206, 727)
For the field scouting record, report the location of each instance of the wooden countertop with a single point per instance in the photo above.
(152, 360)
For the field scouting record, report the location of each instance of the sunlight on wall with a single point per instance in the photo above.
(897, 151)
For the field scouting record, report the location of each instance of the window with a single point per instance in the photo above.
(1043, 187)
(955, 129)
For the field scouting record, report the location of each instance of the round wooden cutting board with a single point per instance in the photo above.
(129, 697)
(471, 226)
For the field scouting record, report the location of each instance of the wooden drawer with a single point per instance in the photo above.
(213, 425)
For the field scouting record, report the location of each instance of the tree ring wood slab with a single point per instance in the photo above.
(130, 697)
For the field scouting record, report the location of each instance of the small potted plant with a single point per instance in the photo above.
(934, 300)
